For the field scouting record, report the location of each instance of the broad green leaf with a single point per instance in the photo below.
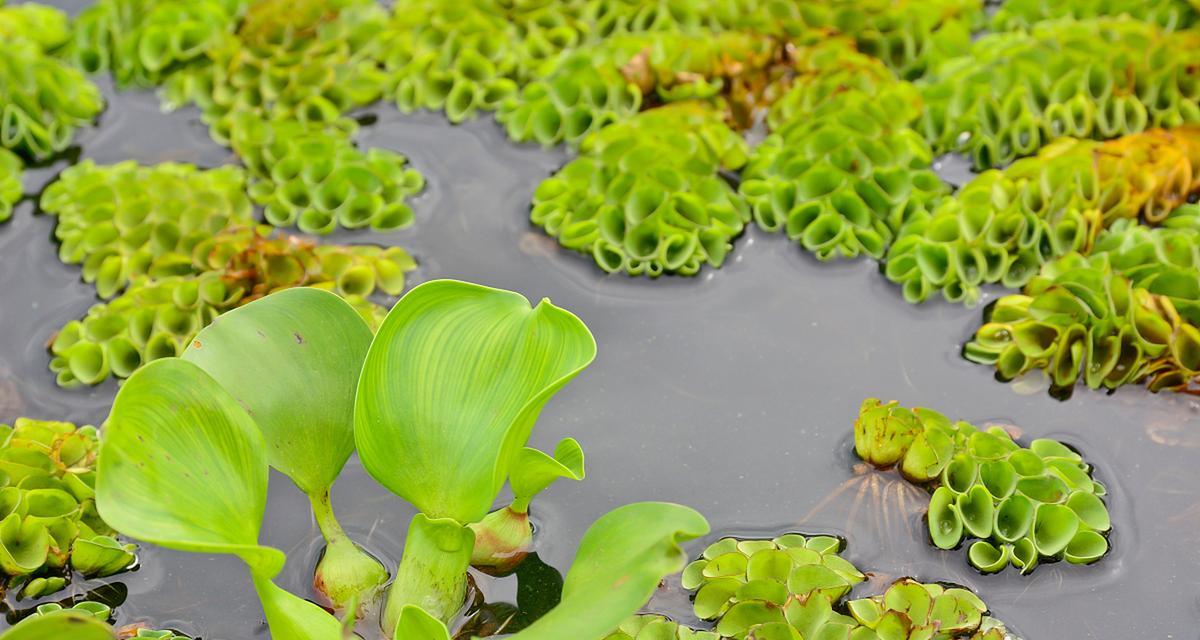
(183, 466)
(292, 360)
(415, 624)
(294, 618)
(533, 470)
(452, 384)
(62, 625)
(620, 562)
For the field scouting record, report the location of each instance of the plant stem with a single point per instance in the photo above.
(346, 572)
(433, 571)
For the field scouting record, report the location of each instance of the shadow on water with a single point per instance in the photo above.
(733, 392)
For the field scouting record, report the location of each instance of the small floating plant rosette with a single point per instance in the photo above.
(795, 587)
(1022, 505)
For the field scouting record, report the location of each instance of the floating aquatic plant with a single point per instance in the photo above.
(96, 611)
(1025, 14)
(842, 171)
(74, 624)
(292, 361)
(793, 587)
(1023, 505)
(47, 499)
(1128, 312)
(596, 86)
(125, 220)
(143, 41)
(1014, 92)
(489, 363)
(308, 178)
(45, 26)
(651, 627)
(311, 60)
(42, 100)
(158, 317)
(1004, 224)
(646, 196)
(10, 183)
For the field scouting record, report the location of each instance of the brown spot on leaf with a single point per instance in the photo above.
(299, 338)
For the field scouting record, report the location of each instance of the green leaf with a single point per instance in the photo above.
(451, 387)
(533, 470)
(292, 359)
(415, 624)
(294, 618)
(183, 466)
(75, 625)
(620, 562)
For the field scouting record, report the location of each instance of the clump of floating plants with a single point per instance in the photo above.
(1024, 505)
(42, 100)
(10, 183)
(83, 621)
(1103, 78)
(126, 220)
(305, 177)
(1126, 312)
(607, 83)
(141, 42)
(47, 27)
(1024, 14)
(196, 428)
(794, 587)
(1005, 224)
(311, 60)
(157, 317)
(50, 525)
(842, 170)
(646, 197)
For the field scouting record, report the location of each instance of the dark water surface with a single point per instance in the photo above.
(733, 392)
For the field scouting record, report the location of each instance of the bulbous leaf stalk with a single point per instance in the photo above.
(433, 571)
(346, 573)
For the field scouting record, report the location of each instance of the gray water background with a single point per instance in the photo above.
(733, 392)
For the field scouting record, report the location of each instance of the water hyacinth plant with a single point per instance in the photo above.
(49, 525)
(488, 362)
(1126, 312)
(45, 26)
(1023, 504)
(1024, 14)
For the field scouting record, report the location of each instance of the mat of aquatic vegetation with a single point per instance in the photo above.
(733, 392)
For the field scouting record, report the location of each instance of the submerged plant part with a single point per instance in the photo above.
(1128, 312)
(42, 101)
(45, 26)
(1014, 92)
(304, 176)
(311, 60)
(1005, 224)
(1025, 14)
(1023, 504)
(47, 498)
(10, 183)
(647, 197)
(143, 41)
(292, 361)
(157, 318)
(842, 171)
(125, 220)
